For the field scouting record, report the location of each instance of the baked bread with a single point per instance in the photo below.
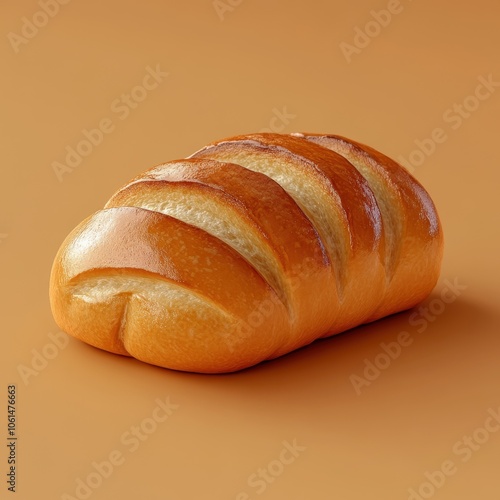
(252, 247)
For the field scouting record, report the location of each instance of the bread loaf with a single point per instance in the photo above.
(252, 247)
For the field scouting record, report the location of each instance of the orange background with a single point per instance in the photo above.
(229, 76)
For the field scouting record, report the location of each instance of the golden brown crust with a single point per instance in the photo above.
(300, 259)
(136, 245)
(253, 247)
(417, 243)
(358, 250)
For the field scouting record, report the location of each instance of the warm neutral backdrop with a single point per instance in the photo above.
(425, 78)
